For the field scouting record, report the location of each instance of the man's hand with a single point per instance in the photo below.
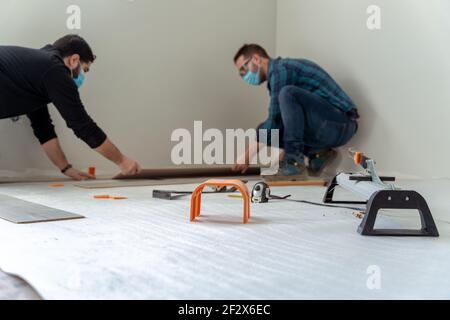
(78, 175)
(242, 168)
(129, 167)
(53, 150)
(242, 164)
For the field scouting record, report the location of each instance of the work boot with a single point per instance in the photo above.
(292, 168)
(319, 161)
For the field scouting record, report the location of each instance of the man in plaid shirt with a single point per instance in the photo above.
(314, 115)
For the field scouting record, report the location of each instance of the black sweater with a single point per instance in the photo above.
(30, 79)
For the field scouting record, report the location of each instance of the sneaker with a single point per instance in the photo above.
(292, 168)
(319, 161)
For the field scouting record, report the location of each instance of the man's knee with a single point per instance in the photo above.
(290, 96)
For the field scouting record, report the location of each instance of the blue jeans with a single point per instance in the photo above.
(312, 124)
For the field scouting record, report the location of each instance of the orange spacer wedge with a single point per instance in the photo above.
(196, 199)
(102, 197)
(119, 198)
(92, 171)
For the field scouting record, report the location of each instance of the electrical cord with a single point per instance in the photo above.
(314, 203)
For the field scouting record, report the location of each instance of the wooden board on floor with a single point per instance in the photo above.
(23, 212)
(174, 173)
(172, 176)
(108, 184)
(32, 180)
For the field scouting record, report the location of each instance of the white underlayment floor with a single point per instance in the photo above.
(143, 248)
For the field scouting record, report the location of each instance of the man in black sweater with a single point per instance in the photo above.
(30, 79)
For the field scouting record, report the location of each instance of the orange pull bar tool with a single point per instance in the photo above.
(196, 199)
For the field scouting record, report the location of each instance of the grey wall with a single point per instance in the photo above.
(161, 65)
(399, 75)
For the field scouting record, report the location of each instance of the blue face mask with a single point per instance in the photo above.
(80, 79)
(253, 78)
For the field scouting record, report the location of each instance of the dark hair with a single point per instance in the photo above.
(74, 44)
(247, 50)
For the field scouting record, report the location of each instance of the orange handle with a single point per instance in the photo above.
(358, 158)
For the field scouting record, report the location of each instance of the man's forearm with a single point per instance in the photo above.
(110, 152)
(55, 153)
(253, 150)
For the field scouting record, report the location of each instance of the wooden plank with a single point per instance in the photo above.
(23, 212)
(108, 184)
(205, 172)
(171, 176)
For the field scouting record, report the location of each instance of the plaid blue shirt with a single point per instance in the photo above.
(306, 75)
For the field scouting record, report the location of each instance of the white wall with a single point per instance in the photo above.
(399, 76)
(165, 63)
(161, 65)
